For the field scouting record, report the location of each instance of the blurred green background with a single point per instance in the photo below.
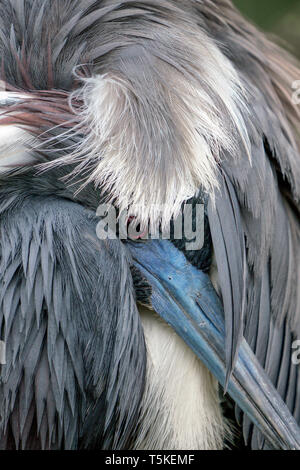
(280, 17)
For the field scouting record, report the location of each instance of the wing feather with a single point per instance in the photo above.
(270, 226)
(74, 372)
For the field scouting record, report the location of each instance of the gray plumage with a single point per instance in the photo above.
(55, 299)
(253, 216)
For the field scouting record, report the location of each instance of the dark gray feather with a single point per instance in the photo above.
(62, 359)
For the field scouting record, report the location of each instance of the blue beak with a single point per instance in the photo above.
(185, 298)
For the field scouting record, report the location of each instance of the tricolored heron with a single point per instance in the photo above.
(123, 344)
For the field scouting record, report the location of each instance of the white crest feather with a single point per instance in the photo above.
(14, 145)
(156, 132)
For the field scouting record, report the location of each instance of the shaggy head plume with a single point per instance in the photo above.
(156, 114)
(161, 100)
(156, 130)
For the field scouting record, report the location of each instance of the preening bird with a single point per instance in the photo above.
(142, 343)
